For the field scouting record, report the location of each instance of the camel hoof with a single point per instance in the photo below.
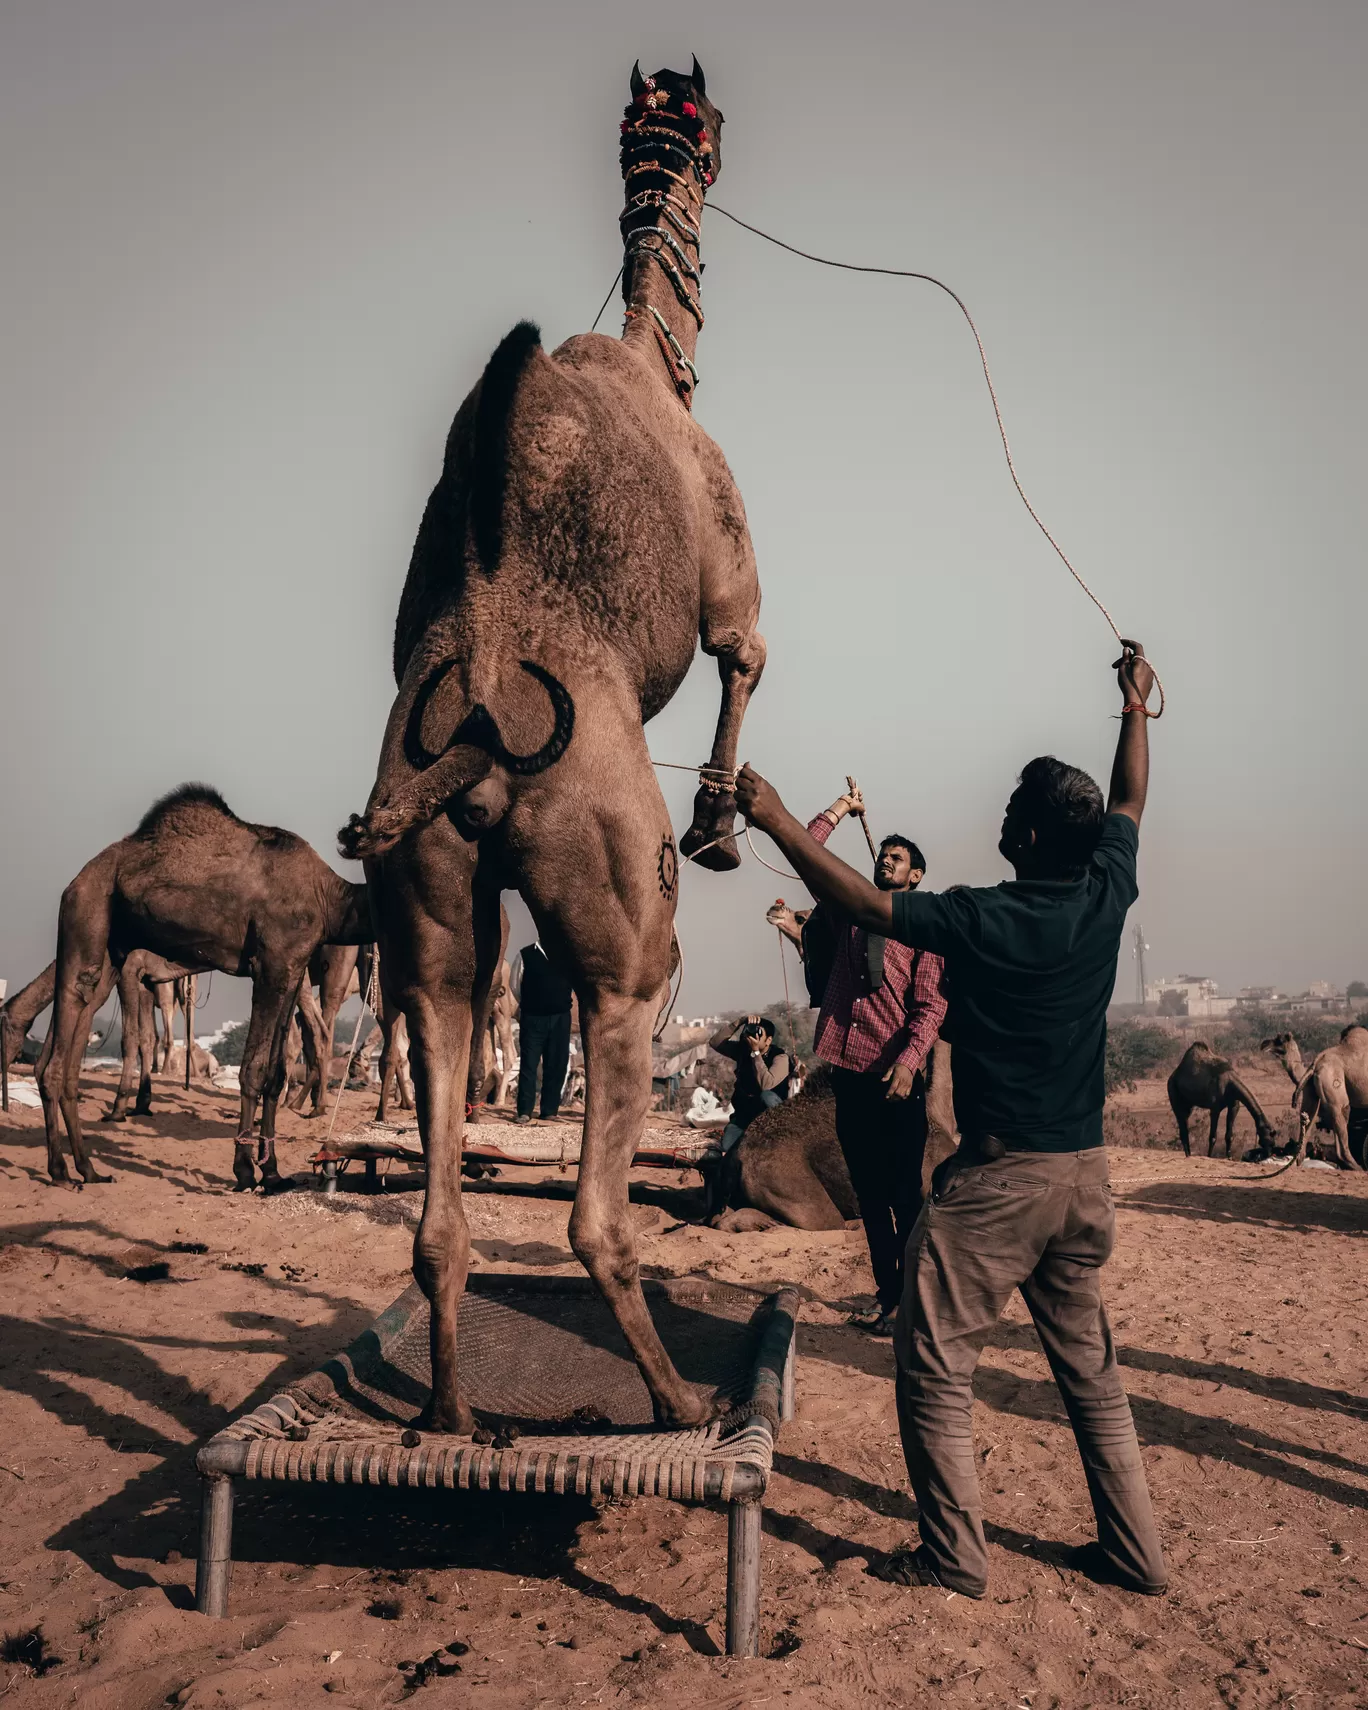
(94, 1176)
(65, 1181)
(457, 1420)
(274, 1182)
(116, 1116)
(695, 1406)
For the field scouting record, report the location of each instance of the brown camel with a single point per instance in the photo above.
(1204, 1081)
(198, 885)
(145, 982)
(1330, 1091)
(583, 534)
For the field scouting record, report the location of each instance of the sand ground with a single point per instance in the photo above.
(1237, 1303)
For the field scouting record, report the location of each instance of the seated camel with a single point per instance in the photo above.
(1331, 1091)
(205, 889)
(788, 1166)
(1204, 1081)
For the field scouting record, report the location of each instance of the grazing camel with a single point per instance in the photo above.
(583, 535)
(1204, 1081)
(198, 885)
(1330, 1091)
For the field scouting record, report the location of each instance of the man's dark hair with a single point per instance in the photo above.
(898, 841)
(1064, 808)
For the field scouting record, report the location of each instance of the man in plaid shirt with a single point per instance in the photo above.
(882, 1009)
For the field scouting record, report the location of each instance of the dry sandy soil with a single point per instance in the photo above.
(1237, 1301)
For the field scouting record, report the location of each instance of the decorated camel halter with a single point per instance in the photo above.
(673, 151)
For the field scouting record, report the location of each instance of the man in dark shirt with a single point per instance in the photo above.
(1030, 966)
(544, 996)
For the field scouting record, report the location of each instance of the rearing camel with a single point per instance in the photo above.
(205, 889)
(583, 535)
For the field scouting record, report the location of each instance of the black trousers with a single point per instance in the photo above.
(884, 1141)
(543, 1042)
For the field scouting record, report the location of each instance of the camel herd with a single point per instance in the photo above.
(1325, 1096)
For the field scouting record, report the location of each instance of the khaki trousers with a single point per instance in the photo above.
(1043, 1223)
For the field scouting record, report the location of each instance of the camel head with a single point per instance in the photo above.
(674, 101)
(1285, 1048)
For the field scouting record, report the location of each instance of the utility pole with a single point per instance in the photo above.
(1138, 949)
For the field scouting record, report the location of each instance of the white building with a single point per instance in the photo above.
(1189, 994)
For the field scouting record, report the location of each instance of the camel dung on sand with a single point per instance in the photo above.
(583, 536)
(205, 889)
(1330, 1091)
(1204, 1081)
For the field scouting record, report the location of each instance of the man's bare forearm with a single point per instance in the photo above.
(827, 876)
(1130, 769)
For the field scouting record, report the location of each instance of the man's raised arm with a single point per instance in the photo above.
(1130, 769)
(824, 874)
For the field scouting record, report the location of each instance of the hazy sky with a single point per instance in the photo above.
(256, 254)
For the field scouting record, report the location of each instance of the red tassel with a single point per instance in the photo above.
(689, 110)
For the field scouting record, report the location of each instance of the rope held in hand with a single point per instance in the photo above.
(962, 306)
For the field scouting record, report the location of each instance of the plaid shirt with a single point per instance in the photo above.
(867, 1030)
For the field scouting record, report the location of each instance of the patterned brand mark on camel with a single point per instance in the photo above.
(669, 866)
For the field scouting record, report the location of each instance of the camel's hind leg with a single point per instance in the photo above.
(603, 900)
(1182, 1113)
(139, 1042)
(166, 1008)
(439, 940)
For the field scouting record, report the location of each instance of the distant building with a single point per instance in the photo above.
(1189, 994)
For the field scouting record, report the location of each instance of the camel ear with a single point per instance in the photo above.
(1265, 1044)
(638, 81)
(697, 78)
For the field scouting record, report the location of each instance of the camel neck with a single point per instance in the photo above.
(347, 913)
(661, 220)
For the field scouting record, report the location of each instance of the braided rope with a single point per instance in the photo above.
(930, 279)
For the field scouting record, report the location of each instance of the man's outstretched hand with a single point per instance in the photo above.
(1134, 674)
(758, 800)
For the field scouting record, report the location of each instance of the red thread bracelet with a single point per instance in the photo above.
(1137, 706)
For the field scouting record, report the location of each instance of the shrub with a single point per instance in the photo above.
(229, 1049)
(1136, 1049)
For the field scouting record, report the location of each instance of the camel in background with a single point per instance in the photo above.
(205, 889)
(1204, 1081)
(145, 983)
(583, 535)
(1330, 1091)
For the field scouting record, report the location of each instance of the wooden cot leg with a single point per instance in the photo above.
(371, 1178)
(786, 1397)
(215, 1565)
(743, 1579)
(330, 1176)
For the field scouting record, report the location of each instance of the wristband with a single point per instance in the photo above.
(1137, 706)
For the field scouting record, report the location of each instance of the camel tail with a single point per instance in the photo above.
(475, 749)
(489, 463)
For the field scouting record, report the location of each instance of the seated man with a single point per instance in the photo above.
(1030, 966)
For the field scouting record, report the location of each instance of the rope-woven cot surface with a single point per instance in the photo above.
(544, 1355)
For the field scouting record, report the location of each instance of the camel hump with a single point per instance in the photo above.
(185, 798)
(489, 463)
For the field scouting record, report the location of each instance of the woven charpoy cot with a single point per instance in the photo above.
(545, 1366)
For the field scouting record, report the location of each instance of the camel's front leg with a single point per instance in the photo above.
(78, 998)
(617, 1043)
(740, 666)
